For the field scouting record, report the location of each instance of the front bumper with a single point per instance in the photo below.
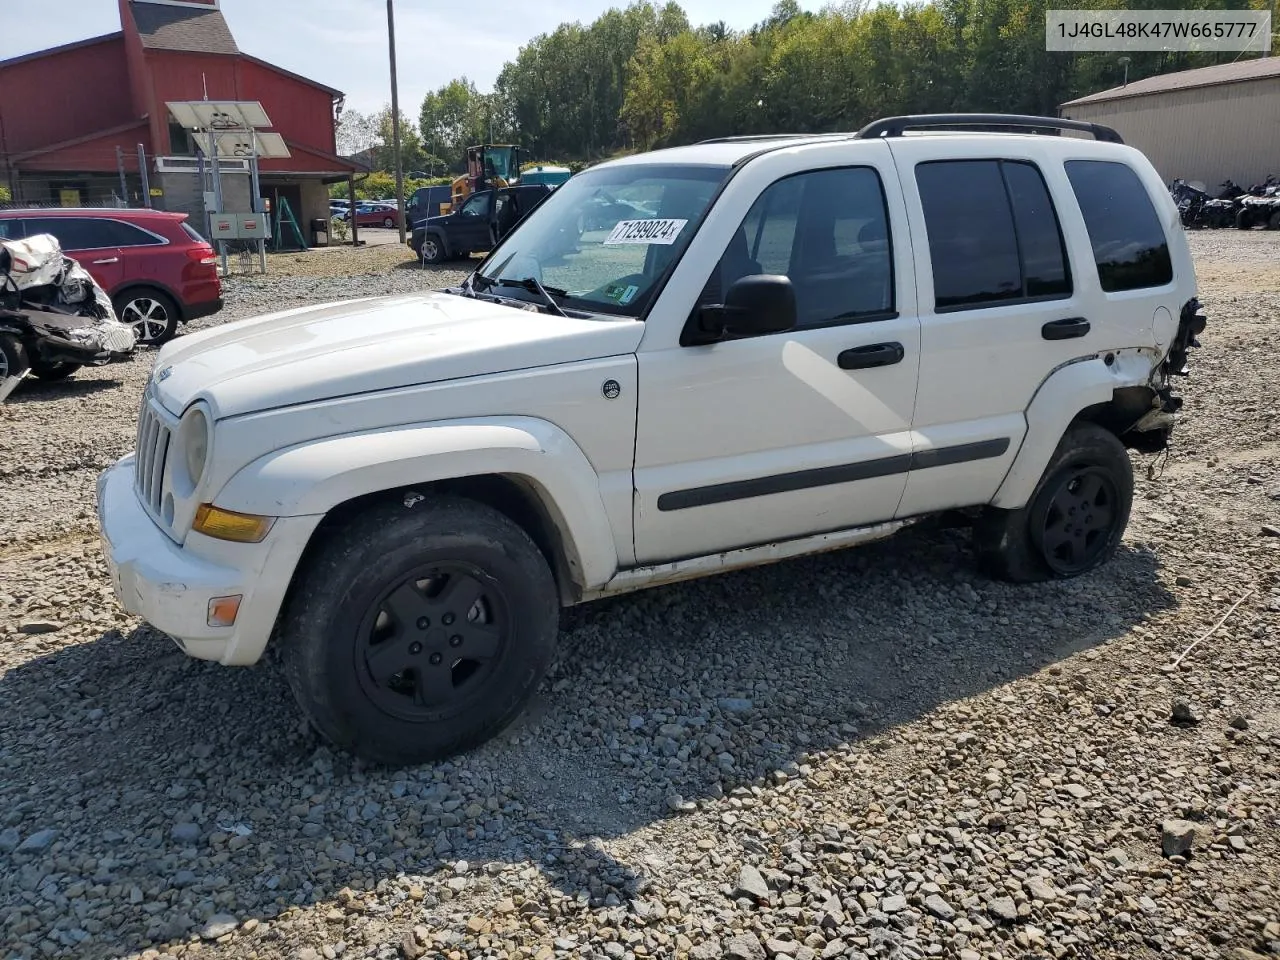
(170, 585)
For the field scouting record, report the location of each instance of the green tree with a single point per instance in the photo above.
(357, 132)
(450, 121)
(412, 154)
(643, 76)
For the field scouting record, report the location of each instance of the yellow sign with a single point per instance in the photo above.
(69, 198)
(157, 192)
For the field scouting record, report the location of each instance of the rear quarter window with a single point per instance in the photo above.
(127, 235)
(1129, 244)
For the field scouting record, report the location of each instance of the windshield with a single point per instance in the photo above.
(602, 240)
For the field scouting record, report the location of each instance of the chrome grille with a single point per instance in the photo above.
(152, 448)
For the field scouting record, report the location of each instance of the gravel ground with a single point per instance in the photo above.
(874, 753)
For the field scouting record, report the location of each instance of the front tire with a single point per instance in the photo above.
(1244, 220)
(1074, 520)
(13, 357)
(152, 315)
(420, 629)
(432, 250)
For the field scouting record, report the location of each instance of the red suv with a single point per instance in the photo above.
(158, 271)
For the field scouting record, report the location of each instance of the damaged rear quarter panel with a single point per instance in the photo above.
(1068, 390)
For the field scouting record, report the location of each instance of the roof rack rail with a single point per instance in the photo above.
(759, 137)
(894, 126)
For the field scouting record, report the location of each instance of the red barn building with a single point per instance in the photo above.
(72, 117)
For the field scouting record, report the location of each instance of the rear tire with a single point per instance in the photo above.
(1273, 222)
(54, 371)
(377, 635)
(1244, 220)
(13, 357)
(389, 223)
(1075, 519)
(152, 315)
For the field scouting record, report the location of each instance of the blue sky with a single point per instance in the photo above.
(343, 43)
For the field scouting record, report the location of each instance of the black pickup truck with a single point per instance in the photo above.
(475, 226)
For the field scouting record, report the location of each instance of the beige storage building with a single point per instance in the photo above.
(1211, 124)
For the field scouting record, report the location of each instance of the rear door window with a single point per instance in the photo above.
(11, 229)
(994, 237)
(74, 233)
(1129, 245)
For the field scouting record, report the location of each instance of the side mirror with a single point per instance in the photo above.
(755, 305)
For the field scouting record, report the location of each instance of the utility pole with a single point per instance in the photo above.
(8, 163)
(124, 186)
(142, 172)
(395, 121)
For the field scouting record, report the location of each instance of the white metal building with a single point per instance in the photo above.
(1208, 124)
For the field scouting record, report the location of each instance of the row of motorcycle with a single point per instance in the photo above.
(1231, 206)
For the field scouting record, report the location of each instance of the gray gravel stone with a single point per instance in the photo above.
(1177, 837)
(1040, 889)
(743, 947)
(1003, 909)
(894, 904)
(939, 907)
(39, 841)
(1184, 714)
(37, 627)
(219, 925)
(751, 884)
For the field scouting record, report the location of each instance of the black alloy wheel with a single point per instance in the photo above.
(431, 641)
(1079, 521)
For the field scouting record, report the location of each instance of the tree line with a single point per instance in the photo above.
(643, 77)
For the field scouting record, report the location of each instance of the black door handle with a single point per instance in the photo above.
(875, 355)
(1066, 329)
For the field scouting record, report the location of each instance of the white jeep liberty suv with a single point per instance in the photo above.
(686, 361)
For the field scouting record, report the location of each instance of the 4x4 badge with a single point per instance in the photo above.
(611, 389)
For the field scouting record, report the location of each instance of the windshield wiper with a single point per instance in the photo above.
(534, 285)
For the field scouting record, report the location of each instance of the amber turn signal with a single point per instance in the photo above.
(228, 525)
(224, 610)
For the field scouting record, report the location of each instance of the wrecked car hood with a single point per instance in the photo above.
(379, 343)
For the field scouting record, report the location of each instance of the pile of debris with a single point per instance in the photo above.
(54, 318)
(1233, 206)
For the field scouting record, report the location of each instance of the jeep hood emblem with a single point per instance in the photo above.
(164, 374)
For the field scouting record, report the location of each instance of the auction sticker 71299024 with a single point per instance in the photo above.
(659, 231)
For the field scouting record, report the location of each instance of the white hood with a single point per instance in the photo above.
(360, 346)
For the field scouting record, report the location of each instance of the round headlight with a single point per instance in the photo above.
(195, 444)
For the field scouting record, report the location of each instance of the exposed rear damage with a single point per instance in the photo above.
(1143, 417)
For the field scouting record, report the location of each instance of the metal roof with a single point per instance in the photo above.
(1242, 70)
(183, 28)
